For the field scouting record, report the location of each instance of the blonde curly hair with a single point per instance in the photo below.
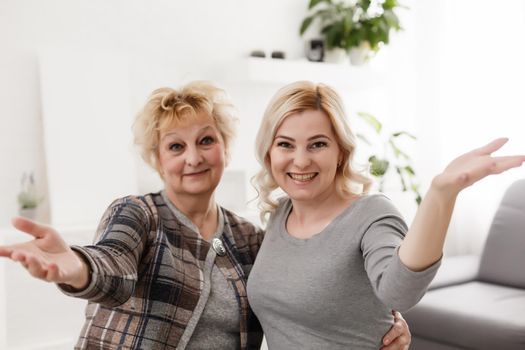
(295, 98)
(167, 107)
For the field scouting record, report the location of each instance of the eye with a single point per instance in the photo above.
(176, 147)
(319, 144)
(207, 140)
(284, 144)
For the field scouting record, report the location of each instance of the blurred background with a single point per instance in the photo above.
(75, 73)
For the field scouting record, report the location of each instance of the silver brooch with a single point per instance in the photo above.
(217, 245)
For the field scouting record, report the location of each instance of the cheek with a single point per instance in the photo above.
(217, 156)
(274, 162)
(169, 164)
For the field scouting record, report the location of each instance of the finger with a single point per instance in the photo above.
(29, 226)
(400, 343)
(395, 332)
(6, 251)
(35, 267)
(397, 315)
(52, 273)
(491, 146)
(506, 163)
(19, 256)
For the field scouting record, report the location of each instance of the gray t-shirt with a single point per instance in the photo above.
(336, 289)
(215, 322)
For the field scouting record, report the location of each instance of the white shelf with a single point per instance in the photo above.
(284, 71)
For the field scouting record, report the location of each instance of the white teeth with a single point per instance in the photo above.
(302, 177)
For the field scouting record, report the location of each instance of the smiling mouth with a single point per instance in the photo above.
(302, 177)
(197, 173)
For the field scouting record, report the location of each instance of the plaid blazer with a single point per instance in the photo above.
(146, 276)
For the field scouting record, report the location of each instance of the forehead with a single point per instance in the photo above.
(306, 123)
(188, 124)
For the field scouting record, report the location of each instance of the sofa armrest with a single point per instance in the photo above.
(456, 270)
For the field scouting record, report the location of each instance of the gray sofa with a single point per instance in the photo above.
(479, 302)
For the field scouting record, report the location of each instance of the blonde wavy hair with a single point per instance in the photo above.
(167, 107)
(296, 98)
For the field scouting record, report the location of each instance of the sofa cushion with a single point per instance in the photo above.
(474, 315)
(456, 270)
(503, 258)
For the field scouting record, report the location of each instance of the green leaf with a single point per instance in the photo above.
(333, 35)
(306, 23)
(363, 138)
(397, 151)
(391, 19)
(365, 4)
(347, 24)
(389, 4)
(371, 120)
(314, 3)
(403, 133)
(410, 170)
(402, 179)
(378, 167)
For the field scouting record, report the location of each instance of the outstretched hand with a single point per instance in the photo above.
(47, 256)
(474, 166)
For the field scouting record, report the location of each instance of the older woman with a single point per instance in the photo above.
(335, 261)
(168, 269)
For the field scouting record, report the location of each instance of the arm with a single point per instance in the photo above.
(47, 256)
(112, 260)
(423, 244)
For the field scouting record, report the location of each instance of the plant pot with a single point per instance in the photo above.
(359, 55)
(28, 213)
(336, 55)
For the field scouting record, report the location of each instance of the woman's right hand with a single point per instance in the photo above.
(47, 256)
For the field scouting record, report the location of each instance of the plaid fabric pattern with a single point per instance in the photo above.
(147, 276)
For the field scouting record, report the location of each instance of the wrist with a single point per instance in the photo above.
(443, 189)
(83, 277)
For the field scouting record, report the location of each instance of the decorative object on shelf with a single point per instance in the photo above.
(28, 198)
(278, 54)
(315, 50)
(336, 55)
(392, 157)
(258, 53)
(361, 26)
(360, 54)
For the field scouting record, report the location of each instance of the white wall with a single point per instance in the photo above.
(167, 42)
(455, 81)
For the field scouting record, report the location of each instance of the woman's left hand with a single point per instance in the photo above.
(398, 337)
(474, 166)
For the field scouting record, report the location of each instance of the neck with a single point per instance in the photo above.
(200, 209)
(319, 210)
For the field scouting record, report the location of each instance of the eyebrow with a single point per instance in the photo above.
(174, 133)
(319, 136)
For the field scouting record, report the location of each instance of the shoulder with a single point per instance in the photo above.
(376, 205)
(138, 208)
(239, 224)
(147, 202)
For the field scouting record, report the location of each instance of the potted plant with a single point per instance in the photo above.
(354, 27)
(391, 158)
(28, 198)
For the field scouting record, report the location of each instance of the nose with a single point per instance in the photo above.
(302, 159)
(193, 156)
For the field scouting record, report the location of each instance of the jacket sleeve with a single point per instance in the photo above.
(114, 257)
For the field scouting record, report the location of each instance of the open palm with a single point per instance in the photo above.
(47, 256)
(475, 165)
